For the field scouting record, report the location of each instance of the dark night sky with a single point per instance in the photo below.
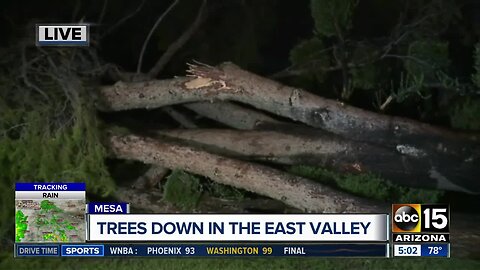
(291, 23)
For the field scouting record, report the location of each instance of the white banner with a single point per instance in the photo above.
(50, 195)
(238, 227)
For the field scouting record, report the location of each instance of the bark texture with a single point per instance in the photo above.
(292, 190)
(321, 150)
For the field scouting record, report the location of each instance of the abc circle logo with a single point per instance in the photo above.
(406, 218)
(415, 218)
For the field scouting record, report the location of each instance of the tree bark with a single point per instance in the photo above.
(321, 150)
(228, 82)
(231, 115)
(151, 178)
(292, 190)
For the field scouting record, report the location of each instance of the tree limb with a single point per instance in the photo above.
(179, 117)
(123, 20)
(151, 178)
(178, 44)
(231, 115)
(145, 43)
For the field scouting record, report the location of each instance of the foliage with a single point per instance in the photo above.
(310, 54)
(365, 77)
(332, 17)
(407, 61)
(182, 190)
(426, 59)
(48, 129)
(223, 191)
(466, 115)
(435, 17)
(409, 86)
(476, 66)
(71, 154)
(466, 111)
(367, 185)
(35, 152)
(366, 74)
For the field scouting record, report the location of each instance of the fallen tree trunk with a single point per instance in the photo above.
(231, 115)
(319, 150)
(228, 82)
(410, 138)
(292, 190)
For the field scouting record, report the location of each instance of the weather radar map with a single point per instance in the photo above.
(46, 212)
(49, 221)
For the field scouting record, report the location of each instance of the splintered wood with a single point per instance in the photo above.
(204, 76)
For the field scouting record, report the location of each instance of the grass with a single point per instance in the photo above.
(8, 262)
(182, 190)
(367, 185)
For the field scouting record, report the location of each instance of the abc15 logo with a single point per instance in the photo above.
(417, 218)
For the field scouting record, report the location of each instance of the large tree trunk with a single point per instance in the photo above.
(228, 82)
(434, 147)
(321, 150)
(292, 190)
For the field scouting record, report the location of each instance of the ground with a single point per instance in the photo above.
(8, 262)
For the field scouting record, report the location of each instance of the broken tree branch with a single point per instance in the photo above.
(178, 44)
(179, 117)
(151, 178)
(145, 43)
(123, 20)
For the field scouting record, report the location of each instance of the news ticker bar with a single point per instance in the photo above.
(203, 250)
